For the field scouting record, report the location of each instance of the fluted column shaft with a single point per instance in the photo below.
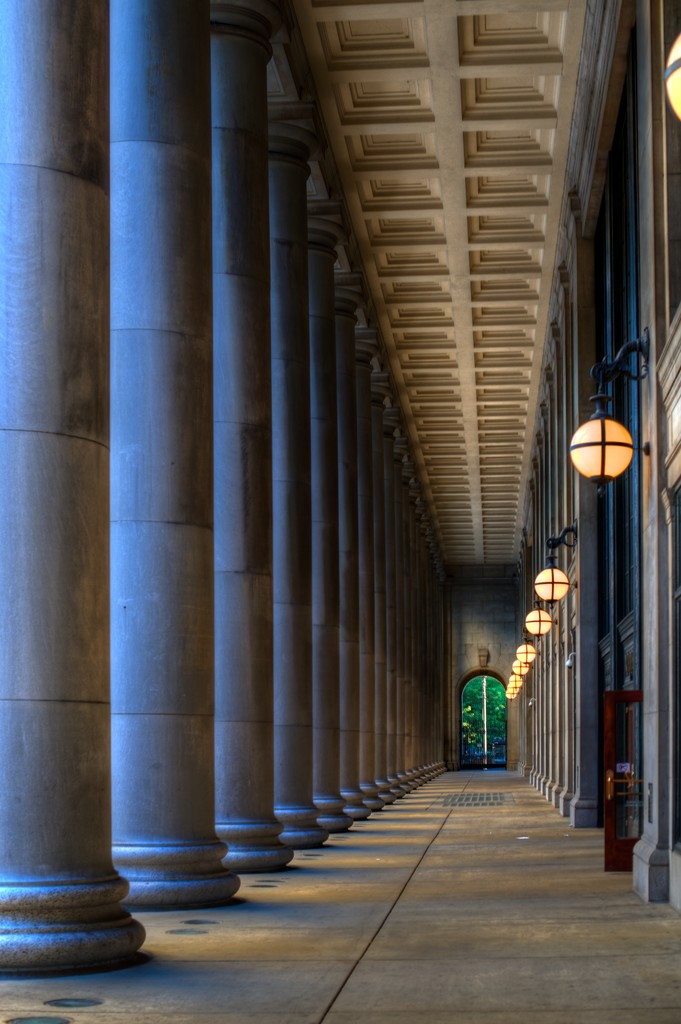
(380, 388)
(414, 566)
(243, 440)
(422, 638)
(424, 629)
(366, 349)
(390, 425)
(289, 149)
(59, 893)
(408, 530)
(346, 303)
(323, 236)
(400, 451)
(162, 682)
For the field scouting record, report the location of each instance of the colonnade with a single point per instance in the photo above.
(270, 609)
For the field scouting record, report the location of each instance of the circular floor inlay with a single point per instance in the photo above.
(73, 1002)
(186, 931)
(199, 920)
(40, 1020)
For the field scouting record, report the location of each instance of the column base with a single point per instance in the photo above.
(371, 797)
(300, 830)
(384, 792)
(66, 926)
(253, 846)
(564, 801)
(395, 787)
(583, 813)
(354, 805)
(403, 783)
(330, 814)
(182, 876)
(651, 871)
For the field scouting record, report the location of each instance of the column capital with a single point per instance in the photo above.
(256, 18)
(401, 447)
(366, 346)
(380, 387)
(422, 516)
(324, 233)
(408, 470)
(291, 140)
(349, 292)
(346, 301)
(391, 420)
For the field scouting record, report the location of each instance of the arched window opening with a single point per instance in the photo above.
(483, 723)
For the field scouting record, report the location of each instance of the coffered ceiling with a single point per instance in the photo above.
(448, 121)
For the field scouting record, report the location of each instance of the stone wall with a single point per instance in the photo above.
(483, 608)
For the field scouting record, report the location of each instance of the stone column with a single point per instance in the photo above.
(366, 349)
(400, 452)
(346, 304)
(59, 893)
(162, 682)
(391, 419)
(380, 389)
(447, 670)
(290, 146)
(323, 235)
(409, 599)
(440, 710)
(243, 438)
(422, 638)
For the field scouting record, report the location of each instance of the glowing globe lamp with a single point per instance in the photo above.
(551, 584)
(601, 448)
(526, 653)
(519, 668)
(672, 78)
(538, 622)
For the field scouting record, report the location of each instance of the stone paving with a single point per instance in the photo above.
(434, 911)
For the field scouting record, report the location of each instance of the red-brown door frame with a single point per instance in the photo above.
(618, 851)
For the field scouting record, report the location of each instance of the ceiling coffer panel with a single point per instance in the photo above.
(447, 121)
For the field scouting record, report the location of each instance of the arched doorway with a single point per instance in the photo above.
(483, 723)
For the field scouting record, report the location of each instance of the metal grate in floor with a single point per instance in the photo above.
(477, 800)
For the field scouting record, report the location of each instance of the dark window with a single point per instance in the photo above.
(617, 317)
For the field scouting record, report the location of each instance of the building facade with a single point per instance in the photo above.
(298, 304)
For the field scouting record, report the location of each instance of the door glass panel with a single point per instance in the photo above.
(628, 782)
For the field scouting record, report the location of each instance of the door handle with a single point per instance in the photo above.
(609, 784)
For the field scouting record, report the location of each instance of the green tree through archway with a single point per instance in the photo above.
(483, 703)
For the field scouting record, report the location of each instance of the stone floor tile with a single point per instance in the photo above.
(497, 984)
(209, 987)
(427, 913)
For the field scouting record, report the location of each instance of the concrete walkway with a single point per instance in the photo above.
(433, 911)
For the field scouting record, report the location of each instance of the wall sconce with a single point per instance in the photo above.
(602, 448)
(526, 652)
(538, 622)
(672, 79)
(552, 584)
(570, 660)
(513, 688)
(519, 668)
